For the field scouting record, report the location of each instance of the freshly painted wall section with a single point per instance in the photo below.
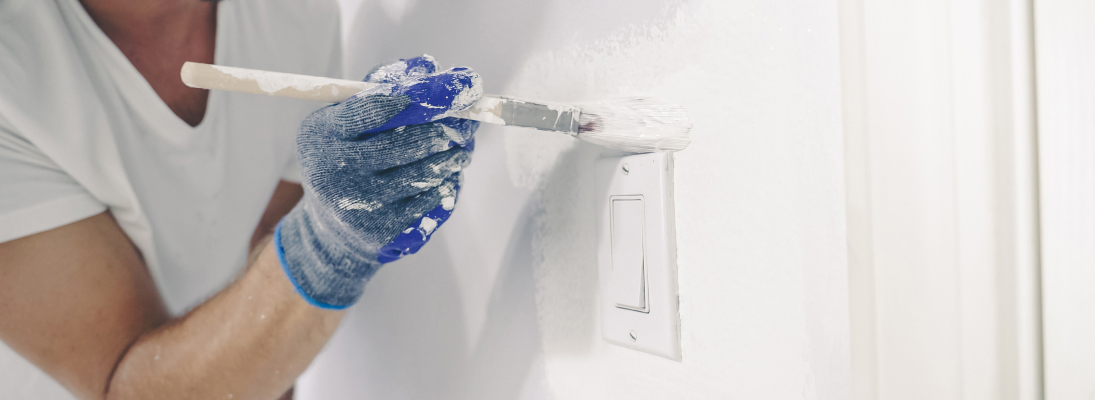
(503, 302)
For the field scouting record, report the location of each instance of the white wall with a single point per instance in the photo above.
(503, 302)
(1065, 30)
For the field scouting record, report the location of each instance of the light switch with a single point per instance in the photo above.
(628, 255)
(637, 253)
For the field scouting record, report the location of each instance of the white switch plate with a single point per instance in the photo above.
(644, 181)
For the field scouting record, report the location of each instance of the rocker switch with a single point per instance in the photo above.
(628, 225)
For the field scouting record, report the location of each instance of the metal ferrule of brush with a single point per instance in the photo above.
(508, 111)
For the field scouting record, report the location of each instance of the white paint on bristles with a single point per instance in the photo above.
(637, 125)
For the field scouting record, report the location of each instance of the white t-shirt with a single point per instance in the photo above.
(81, 132)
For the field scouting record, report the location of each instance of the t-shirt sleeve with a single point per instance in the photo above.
(35, 194)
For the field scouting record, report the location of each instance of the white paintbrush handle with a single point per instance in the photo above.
(205, 76)
(490, 109)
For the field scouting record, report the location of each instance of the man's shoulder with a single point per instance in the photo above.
(39, 62)
(27, 36)
(24, 23)
(12, 10)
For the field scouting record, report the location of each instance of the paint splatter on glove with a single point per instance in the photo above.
(381, 173)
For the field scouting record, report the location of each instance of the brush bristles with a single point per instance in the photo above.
(637, 125)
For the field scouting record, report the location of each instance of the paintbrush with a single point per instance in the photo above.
(637, 125)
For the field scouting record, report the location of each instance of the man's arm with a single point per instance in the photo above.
(78, 302)
(383, 172)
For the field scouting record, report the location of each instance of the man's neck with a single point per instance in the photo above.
(157, 36)
(146, 20)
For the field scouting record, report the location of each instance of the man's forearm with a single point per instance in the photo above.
(250, 341)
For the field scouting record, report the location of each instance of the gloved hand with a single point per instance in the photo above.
(381, 173)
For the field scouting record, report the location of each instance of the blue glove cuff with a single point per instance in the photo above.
(296, 284)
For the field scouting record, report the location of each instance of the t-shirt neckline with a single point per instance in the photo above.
(134, 84)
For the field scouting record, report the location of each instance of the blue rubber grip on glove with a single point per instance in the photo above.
(382, 171)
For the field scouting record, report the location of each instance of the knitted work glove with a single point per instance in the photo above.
(381, 173)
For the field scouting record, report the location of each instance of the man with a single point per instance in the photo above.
(129, 202)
